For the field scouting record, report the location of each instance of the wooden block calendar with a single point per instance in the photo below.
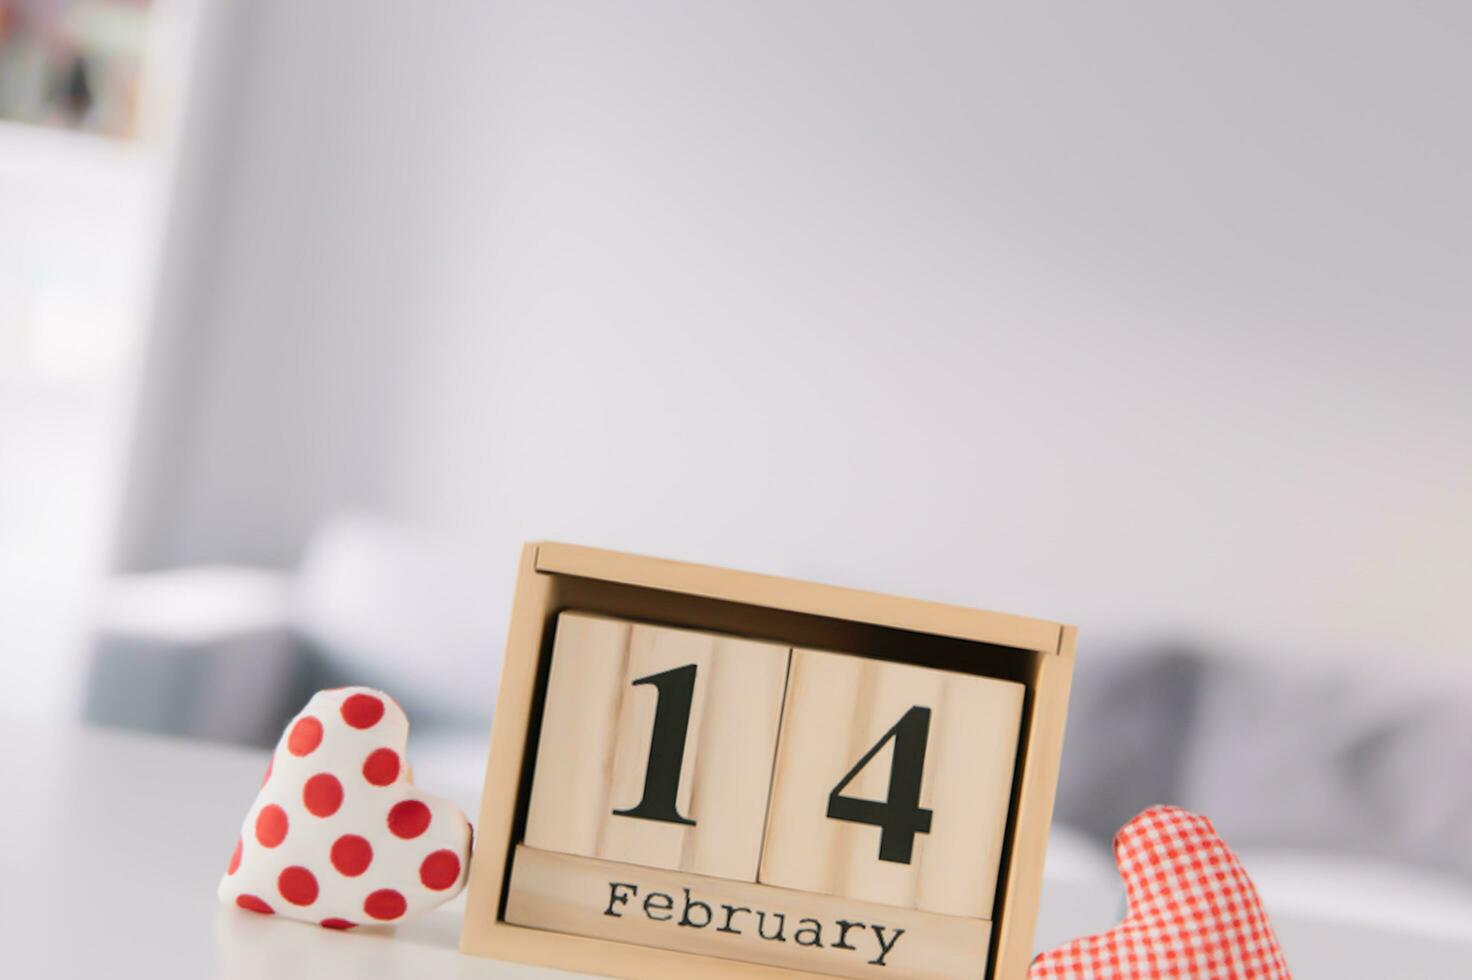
(697, 771)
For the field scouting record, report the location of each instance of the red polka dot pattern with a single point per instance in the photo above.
(252, 904)
(322, 795)
(351, 855)
(338, 835)
(297, 885)
(440, 870)
(362, 710)
(271, 826)
(385, 904)
(381, 767)
(305, 736)
(408, 819)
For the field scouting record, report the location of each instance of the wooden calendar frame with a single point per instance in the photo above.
(556, 577)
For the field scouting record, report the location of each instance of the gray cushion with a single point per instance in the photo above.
(1301, 760)
(1128, 720)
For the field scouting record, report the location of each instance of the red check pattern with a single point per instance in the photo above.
(1193, 912)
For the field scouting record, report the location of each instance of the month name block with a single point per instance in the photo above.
(741, 921)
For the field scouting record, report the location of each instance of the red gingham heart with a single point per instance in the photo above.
(1193, 912)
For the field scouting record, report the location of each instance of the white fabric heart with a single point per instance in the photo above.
(338, 835)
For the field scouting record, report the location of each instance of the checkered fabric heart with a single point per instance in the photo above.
(1193, 912)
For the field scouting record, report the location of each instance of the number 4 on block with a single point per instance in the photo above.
(892, 783)
(657, 746)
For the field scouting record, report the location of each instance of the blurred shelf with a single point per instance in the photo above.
(42, 154)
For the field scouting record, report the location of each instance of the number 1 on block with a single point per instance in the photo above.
(666, 746)
(656, 746)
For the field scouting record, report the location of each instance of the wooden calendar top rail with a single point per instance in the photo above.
(752, 588)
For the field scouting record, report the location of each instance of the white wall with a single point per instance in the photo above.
(1154, 319)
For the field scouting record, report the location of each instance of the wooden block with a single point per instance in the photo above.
(740, 921)
(892, 783)
(657, 746)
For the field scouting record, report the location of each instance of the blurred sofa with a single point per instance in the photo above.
(232, 653)
(1348, 798)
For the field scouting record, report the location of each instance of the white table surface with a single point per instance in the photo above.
(111, 846)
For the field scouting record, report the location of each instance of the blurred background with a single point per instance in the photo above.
(1158, 322)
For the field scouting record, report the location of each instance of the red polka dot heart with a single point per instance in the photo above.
(338, 835)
